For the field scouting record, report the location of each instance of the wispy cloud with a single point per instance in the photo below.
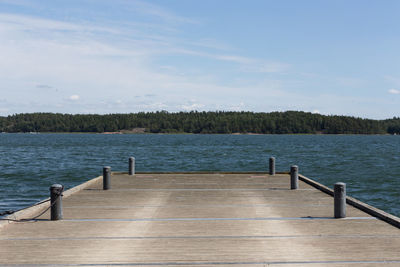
(17, 23)
(159, 12)
(254, 65)
(248, 64)
(211, 44)
(392, 79)
(350, 82)
(271, 67)
(74, 97)
(394, 91)
(78, 55)
(44, 86)
(237, 59)
(143, 59)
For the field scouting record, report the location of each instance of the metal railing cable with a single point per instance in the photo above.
(9, 212)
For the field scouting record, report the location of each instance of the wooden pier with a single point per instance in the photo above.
(199, 219)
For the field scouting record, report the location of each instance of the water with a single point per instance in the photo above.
(370, 165)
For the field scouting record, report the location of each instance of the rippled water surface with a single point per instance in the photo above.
(30, 163)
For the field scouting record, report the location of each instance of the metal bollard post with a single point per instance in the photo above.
(294, 177)
(272, 166)
(131, 166)
(340, 200)
(56, 202)
(106, 177)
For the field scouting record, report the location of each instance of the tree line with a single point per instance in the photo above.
(219, 122)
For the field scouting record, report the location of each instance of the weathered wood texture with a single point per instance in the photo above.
(202, 220)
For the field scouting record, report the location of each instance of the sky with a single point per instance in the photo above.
(115, 56)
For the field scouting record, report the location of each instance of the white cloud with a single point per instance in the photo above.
(77, 55)
(237, 59)
(34, 24)
(160, 12)
(254, 65)
(394, 91)
(140, 64)
(316, 111)
(44, 86)
(74, 97)
(238, 107)
(190, 107)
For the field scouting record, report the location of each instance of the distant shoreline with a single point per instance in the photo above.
(216, 122)
(148, 133)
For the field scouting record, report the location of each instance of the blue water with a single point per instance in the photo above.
(29, 163)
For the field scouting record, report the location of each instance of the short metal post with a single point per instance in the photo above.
(294, 177)
(106, 177)
(340, 200)
(272, 166)
(56, 202)
(131, 166)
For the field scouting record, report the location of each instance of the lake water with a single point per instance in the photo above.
(30, 163)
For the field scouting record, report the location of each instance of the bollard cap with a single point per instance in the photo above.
(56, 187)
(132, 158)
(106, 168)
(339, 188)
(294, 167)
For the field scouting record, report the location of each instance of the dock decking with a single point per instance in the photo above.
(199, 220)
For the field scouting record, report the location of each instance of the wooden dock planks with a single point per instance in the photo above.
(201, 219)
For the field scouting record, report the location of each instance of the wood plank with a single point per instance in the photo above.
(201, 219)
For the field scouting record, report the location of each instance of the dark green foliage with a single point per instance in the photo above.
(393, 125)
(200, 122)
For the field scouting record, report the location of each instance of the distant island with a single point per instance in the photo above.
(218, 122)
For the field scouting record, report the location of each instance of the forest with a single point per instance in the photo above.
(218, 122)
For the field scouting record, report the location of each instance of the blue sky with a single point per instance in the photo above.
(95, 56)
